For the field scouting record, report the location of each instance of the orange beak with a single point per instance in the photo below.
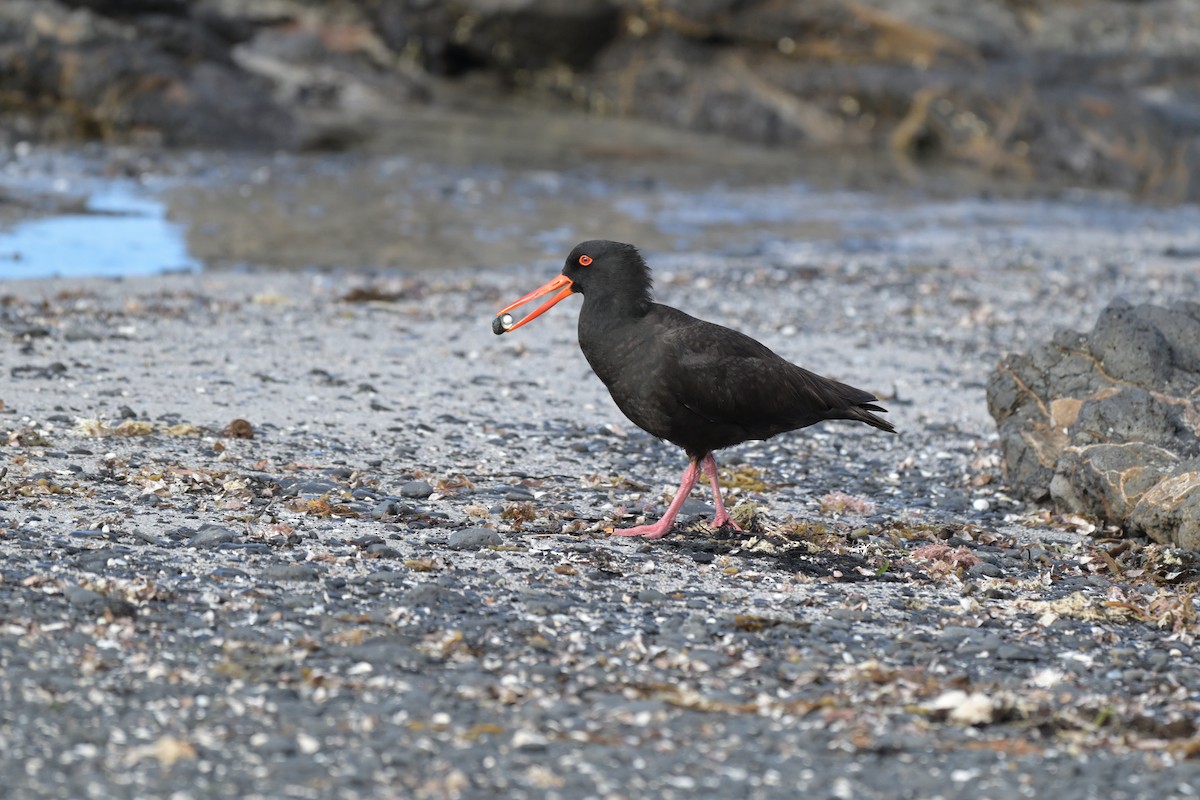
(500, 325)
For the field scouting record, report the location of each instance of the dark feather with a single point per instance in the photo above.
(704, 386)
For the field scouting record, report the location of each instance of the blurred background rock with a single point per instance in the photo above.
(1096, 93)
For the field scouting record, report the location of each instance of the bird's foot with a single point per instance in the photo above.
(722, 520)
(655, 531)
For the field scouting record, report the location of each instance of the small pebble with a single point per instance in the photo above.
(211, 536)
(985, 569)
(416, 489)
(473, 539)
(290, 572)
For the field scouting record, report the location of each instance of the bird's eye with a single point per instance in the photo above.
(585, 260)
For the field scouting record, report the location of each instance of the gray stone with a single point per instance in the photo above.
(1085, 483)
(1180, 326)
(387, 576)
(985, 570)
(383, 551)
(89, 533)
(291, 572)
(258, 548)
(417, 489)
(1129, 414)
(545, 604)
(473, 539)
(1129, 347)
(1104, 424)
(388, 507)
(1015, 652)
(211, 536)
(428, 595)
(1170, 511)
(86, 598)
(96, 603)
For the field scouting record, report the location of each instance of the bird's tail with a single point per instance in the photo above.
(862, 413)
(840, 400)
(856, 405)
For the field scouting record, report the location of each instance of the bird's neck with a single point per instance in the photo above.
(610, 309)
(611, 334)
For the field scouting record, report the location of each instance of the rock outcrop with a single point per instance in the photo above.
(1097, 94)
(1108, 423)
(159, 75)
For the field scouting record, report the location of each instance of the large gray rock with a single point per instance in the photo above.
(458, 36)
(1108, 423)
(1033, 90)
(152, 78)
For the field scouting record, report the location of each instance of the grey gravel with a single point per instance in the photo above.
(276, 625)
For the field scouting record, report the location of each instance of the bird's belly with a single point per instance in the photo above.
(635, 391)
(659, 412)
(638, 400)
(651, 417)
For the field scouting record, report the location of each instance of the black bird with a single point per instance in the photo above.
(698, 385)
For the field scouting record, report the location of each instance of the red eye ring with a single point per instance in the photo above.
(585, 260)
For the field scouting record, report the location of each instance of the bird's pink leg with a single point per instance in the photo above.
(722, 518)
(663, 526)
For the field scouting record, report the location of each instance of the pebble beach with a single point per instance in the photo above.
(321, 534)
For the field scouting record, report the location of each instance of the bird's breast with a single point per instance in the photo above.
(633, 364)
(614, 354)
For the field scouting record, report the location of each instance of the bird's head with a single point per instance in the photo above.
(594, 269)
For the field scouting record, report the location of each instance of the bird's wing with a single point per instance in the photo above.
(727, 377)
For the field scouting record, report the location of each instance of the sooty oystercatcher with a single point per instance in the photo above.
(699, 385)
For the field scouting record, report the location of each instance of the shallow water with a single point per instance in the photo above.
(121, 232)
(450, 190)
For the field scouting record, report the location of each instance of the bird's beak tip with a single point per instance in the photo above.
(498, 326)
(504, 322)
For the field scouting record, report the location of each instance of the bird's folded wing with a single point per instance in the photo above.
(734, 379)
